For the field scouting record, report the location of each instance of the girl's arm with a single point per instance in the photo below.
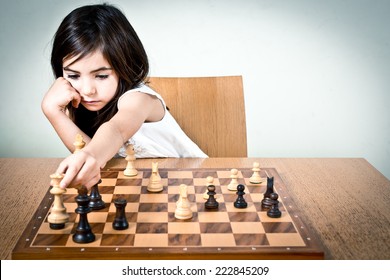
(84, 166)
(60, 94)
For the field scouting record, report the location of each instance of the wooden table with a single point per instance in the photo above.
(344, 200)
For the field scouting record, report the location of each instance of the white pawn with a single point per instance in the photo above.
(234, 182)
(58, 215)
(130, 170)
(210, 181)
(155, 182)
(255, 178)
(78, 143)
(183, 209)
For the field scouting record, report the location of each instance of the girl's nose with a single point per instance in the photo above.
(87, 88)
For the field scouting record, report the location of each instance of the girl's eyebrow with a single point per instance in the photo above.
(93, 71)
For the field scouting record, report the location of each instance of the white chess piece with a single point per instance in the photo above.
(255, 178)
(78, 143)
(183, 208)
(155, 182)
(130, 170)
(234, 182)
(58, 214)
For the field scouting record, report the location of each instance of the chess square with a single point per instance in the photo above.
(128, 182)
(247, 227)
(279, 227)
(152, 228)
(184, 240)
(154, 198)
(285, 239)
(212, 217)
(117, 240)
(153, 207)
(151, 240)
(157, 217)
(51, 239)
(251, 239)
(180, 174)
(217, 240)
(204, 174)
(178, 181)
(127, 190)
(184, 228)
(110, 174)
(215, 227)
(243, 217)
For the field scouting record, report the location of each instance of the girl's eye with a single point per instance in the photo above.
(73, 76)
(102, 77)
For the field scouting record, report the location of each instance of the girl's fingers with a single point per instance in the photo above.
(76, 100)
(79, 169)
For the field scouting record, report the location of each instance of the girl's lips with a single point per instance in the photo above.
(92, 105)
(90, 102)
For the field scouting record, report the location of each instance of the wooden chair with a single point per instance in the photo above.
(210, 110)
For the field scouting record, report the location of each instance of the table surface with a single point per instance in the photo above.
(344, 200)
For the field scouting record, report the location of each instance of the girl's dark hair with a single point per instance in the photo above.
(104, 28)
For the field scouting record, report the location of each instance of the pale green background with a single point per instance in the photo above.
(316, 73)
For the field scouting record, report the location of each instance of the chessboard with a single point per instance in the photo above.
(155, 233)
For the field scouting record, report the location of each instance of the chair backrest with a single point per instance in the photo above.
(210, 110)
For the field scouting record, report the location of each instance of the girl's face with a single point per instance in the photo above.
(93, 78)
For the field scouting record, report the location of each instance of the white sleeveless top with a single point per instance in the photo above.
(163, 138)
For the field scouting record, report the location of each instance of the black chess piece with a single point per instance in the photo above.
(96, 202)
(57, 225)
(83, 232)
(274, 211)
(266, 202)
(120, 221)
(211, 203)
(240, 201)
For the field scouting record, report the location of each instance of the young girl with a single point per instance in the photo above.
(100, 92)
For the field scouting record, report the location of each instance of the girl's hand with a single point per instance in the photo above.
(80, 168)
(60, 94)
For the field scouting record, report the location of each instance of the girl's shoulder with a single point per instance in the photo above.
(143, 89)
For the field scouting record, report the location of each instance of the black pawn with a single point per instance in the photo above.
(211, 203)
(274, 211)
(96, 202)
(83, 232)
(240, 201)
(120, 221)
(266, 202)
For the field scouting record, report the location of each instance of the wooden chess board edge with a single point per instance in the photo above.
(161, 254)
